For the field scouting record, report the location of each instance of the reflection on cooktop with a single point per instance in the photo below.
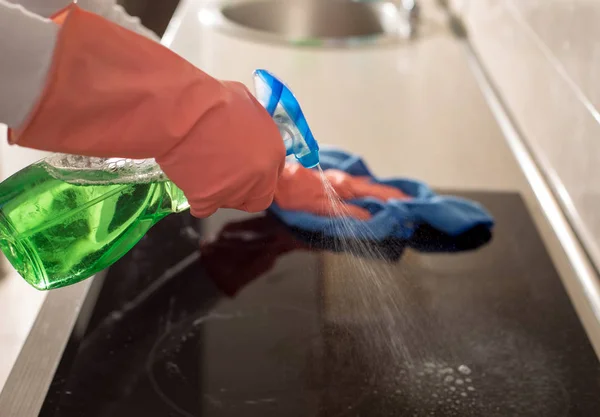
(263, 321)
(283, 373)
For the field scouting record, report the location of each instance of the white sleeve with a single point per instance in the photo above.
(108, 9)
(25, 60)
(26, 52)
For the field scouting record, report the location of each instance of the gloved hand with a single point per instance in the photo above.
(301, 189)
(113, 93)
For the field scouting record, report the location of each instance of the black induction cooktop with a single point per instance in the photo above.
(238, 316)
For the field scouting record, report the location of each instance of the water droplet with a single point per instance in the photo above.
(459, 381)
(434, 395)
(463, 394)
(449, 378)
(470, 389)
(464, 369)
(468, 380)
(452, 388)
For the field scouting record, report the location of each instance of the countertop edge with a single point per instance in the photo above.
(578, 274)
(30, 378)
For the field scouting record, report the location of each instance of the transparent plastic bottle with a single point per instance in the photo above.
(65, 218)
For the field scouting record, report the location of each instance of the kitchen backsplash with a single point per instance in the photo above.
(544, 58)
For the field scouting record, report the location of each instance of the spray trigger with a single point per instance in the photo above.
(280, 103)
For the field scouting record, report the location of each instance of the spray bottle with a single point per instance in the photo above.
(67, 217)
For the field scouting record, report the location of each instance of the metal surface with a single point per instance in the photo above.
(313, 23)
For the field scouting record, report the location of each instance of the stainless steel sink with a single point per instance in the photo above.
(312, 22)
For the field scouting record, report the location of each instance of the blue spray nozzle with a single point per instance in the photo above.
(280, 103)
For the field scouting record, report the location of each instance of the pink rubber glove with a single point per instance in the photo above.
(114, 93)
(301, 189)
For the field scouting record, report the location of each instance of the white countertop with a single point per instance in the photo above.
(412, 110)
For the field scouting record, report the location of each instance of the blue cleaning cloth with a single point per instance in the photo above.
(394, 218)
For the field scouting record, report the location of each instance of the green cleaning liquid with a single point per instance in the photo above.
(56, 232)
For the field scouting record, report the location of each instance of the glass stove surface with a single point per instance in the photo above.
(260, 322)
